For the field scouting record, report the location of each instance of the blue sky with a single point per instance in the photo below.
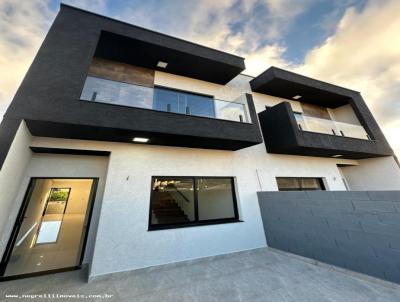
(353, 43)
(309, 27)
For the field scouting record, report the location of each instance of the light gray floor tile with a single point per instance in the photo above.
(257, 275)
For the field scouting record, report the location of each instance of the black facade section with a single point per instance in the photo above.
(8, 129)
(288, 139)
(286, 84)
(197, 132)
(49, 150)
(146, 48)
(282, 136)
(49, 96)
(350, 229)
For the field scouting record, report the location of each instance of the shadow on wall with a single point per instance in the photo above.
(356, 230)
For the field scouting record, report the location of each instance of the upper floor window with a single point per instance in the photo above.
(185, 201)
(181, 102)
(300, 184)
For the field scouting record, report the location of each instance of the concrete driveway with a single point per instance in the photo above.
(258, 275)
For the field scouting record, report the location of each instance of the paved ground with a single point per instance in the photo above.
(258, 275)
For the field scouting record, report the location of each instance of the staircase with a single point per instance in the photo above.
(166, 210)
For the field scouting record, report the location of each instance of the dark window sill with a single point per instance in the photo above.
(191, 224)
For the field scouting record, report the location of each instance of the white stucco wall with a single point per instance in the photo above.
(262, 100)
(11, 175)
(380, 173)
(123, 241)
(344, 114)
(227, 93)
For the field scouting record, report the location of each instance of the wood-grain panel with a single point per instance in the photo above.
(121, 72)
(315, 111)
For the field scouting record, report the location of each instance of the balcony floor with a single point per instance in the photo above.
(258, 275)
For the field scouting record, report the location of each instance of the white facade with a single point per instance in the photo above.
(11, 176)
(382, 173)
(119, 235)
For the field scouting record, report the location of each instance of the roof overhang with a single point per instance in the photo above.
(139, 46)
(150, 49)
(285, 84)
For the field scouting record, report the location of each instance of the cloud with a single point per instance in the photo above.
(23, 25)
(364, 54)
(252, 28)
(248, 28)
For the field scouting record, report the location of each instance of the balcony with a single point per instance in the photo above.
(163, 99)
(114, 111)
(286, 132)
(325, 126)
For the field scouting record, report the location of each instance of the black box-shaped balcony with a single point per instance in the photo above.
(51, 101)
(129, 107)
(162, 115)
(333, 122)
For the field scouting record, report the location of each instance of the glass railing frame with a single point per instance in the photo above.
(336, 131)
(214, 100)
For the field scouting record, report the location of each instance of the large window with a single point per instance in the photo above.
(186, 201)
(300, 184)
(183, 102)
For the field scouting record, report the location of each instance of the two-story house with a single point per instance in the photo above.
(126, 148)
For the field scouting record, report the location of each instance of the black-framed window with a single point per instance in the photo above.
(300, 184)
(188, 201)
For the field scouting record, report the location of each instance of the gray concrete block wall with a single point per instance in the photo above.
(356, 230)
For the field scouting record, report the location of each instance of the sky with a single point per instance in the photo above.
(351, 43)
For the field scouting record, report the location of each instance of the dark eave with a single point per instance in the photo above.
(286, 84)
(142, 47)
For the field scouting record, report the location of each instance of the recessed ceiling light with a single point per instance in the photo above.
(296, 97)
(337, 155)
(162, 64)
(140, 139)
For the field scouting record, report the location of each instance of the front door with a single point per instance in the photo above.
(51, 228)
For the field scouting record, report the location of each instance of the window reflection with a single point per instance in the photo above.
(162, 99)
(300, 184)
(172, 201)
(185, 103)
(190, 200)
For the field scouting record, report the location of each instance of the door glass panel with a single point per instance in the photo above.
(53, 228)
